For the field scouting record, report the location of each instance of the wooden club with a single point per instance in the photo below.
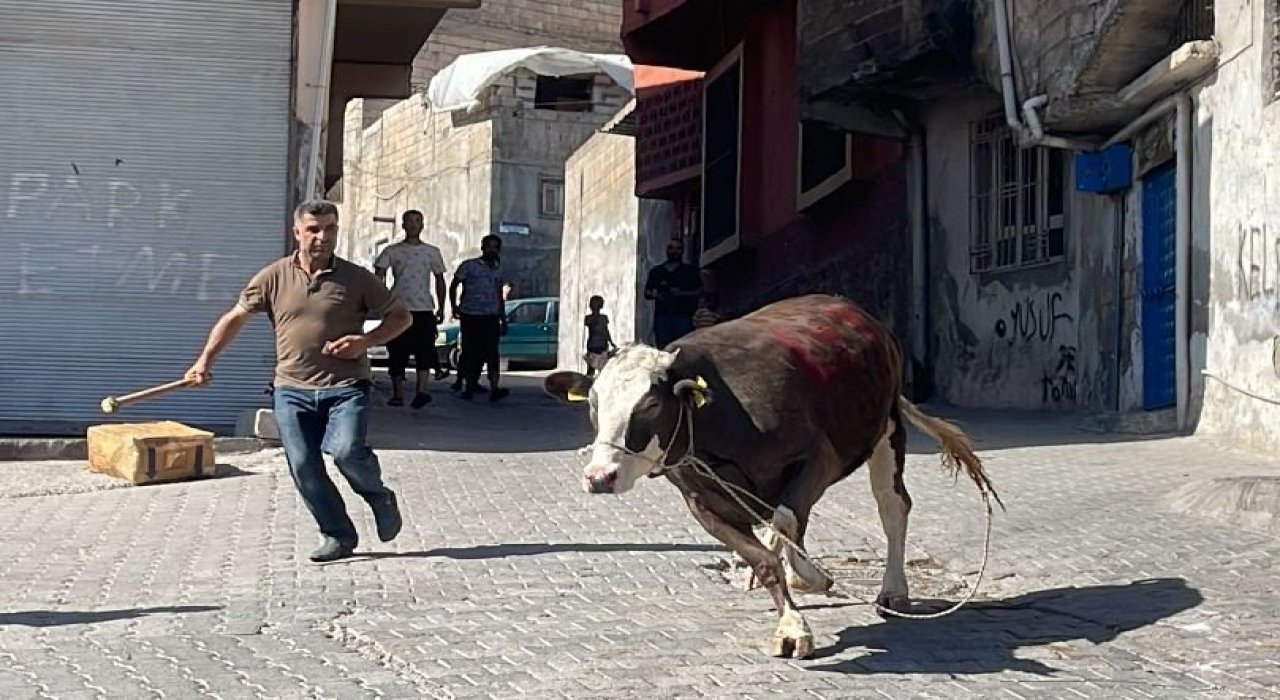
(111, 403)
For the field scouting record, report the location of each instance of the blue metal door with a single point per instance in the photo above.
(1159, 210)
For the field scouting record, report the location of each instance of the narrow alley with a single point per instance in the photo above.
(508, 581)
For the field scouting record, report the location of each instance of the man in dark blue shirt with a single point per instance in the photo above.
(674, 287)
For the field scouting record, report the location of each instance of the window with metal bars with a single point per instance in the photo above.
(1195, 22)
(1017, 200)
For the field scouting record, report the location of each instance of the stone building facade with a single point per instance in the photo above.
(611, 239)
(1099, 199)
(583, 25)
(771, 204)
(498, 169)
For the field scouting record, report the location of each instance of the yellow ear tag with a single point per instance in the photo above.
(576, 394)
(700, 394)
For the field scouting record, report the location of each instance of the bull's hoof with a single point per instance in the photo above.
(818, 583)
(792, 647)
(896, 603)
(793, 639)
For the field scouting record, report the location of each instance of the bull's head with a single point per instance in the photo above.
(635, 406)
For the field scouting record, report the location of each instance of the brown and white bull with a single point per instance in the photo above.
(783, 403)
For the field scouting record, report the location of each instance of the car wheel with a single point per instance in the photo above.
(455, 357)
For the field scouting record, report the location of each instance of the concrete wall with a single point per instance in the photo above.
(611, 239)
(1077, 53)
(1235, 261)
(874, 38)
(468, 173)
(383, 82)
(531, 145)
(1035, 338)
(412, 158)
(1236, 211)
(585, 25)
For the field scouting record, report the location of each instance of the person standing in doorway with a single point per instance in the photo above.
(482, 317)
(317, 303)
(674, 287)
(414, 263)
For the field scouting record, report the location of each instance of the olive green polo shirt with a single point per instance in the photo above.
(307, 312)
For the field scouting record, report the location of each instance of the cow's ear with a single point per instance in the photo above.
(694, 391)
(570, 387)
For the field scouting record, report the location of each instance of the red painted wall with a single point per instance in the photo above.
(854, 242)
(669, 128)
(770, 118)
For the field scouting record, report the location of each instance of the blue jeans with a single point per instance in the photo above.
(334, 421)
(670, 327)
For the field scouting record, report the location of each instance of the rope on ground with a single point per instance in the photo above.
(734, 491)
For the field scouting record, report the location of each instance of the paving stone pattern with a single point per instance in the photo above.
(509, 582)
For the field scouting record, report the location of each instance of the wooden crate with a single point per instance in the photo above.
(144, 453)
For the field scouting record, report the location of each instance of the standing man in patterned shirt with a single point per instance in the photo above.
(414, 262)
(482, 316)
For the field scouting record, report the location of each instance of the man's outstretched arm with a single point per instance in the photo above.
(222, 334)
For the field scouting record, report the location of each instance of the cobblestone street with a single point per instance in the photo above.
(507, 581)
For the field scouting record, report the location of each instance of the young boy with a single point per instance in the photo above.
(599, 341)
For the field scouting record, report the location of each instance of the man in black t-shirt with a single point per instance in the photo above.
(674, 287)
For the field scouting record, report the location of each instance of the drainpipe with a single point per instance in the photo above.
(1034, 132)
(1031, 133)
(1008, 90)
(1182, 266)
(321, 104)
(1182, 315)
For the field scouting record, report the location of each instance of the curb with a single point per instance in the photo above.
(73, 449)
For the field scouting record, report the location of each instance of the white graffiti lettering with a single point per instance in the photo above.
(47, 270)
(1258, 262)
(111, 202)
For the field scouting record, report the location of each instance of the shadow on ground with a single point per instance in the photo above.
(983, 637)
(526, 421)
(58, 618)
(502, 551)
(993, 429)
(530, 421)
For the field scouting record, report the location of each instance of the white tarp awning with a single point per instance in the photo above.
(459, 85)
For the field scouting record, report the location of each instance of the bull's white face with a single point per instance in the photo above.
(626, 447)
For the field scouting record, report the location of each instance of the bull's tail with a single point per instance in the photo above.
(957, 448)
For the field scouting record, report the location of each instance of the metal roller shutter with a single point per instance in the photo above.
(143, 160)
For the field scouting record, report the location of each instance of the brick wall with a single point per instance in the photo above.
(669, 139)
(584, 25)
(411, 158)
(872, 40)
(467, 173)
(855, 243)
